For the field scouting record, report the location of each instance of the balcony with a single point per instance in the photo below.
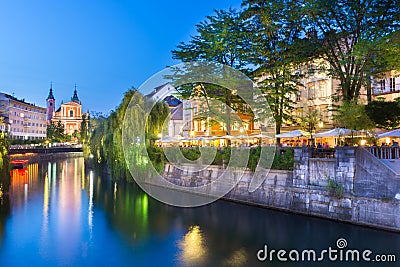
(378, 90)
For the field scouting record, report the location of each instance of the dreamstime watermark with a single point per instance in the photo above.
(339, 253)
(197, 75)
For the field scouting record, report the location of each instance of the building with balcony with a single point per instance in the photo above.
(23, 120)
(192, 117)
(387, 86)
(69, 113)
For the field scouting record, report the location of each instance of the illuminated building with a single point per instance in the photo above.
(69, 113)
(25, 120)
(387, 86)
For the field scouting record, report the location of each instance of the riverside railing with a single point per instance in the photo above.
(384, 152)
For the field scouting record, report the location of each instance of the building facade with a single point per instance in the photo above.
(23, 120)
(168, 93)
(387, 86)
(188, 119)
(69, 113)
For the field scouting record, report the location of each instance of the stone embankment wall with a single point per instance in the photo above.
(305, 190)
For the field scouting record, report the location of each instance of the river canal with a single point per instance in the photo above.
(60, 213)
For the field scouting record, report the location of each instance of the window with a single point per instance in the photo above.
(235, 126)
(382, 84)
(298, 96)
(71, 113)
(392, 84)
(322, 89)
(311, 90)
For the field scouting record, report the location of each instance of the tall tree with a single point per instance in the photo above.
(84, 128)
(274, 55)
(384, 114)
(357, 38)
(309, 121)
(222, 38)
(352, 115)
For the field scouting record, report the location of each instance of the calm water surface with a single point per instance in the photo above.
(63, 214)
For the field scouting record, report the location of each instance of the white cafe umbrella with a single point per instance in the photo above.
(394, 133)
(168, 139)
(333, 133)
(260, 136)
(295, 133)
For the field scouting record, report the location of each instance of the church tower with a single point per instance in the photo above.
(51, 103)
(75, 97)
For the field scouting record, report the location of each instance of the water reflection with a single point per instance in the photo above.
(65, 214)
(193, 250)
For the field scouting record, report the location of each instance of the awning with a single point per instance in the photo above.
(394, 133)
(333, 133)
(295, 133)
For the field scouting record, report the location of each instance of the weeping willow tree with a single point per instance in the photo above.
(106, 142)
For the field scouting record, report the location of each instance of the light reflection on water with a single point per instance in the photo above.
(62, 214)
(193, 248)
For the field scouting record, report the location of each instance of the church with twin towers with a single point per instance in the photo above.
(68, 113)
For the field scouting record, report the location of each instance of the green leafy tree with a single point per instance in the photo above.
(385, 114)
(352, 115)
(273, 54)
(222, 38)
(84, 129)
(106, 137)
(4, 163)
(309, 122)
(357, 38)
(55, 132)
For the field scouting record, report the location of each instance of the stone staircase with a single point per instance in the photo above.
(377, 172)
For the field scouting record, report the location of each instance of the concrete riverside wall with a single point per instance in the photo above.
(304, 190)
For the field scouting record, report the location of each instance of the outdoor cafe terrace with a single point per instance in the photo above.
(383, 145)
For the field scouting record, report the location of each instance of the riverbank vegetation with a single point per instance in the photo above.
(4, 164)
(283, 158)
(106, 144)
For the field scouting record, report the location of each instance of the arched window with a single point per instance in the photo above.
(71, 113)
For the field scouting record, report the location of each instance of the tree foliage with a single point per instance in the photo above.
(309, 122)
(83, 135)
(55, 132)
(385, 114)
(4, 163)
(274, 54)
(106, 144)
(352, 116)
(357, 38)
(222, 38)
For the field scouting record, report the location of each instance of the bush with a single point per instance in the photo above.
(282, 161)
(335, 189)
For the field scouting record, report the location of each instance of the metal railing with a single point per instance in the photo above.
(323, 153)
(384, 152)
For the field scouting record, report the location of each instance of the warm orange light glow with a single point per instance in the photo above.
(193, 250)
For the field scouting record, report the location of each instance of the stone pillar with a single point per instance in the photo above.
(300, 168)
(346, 167)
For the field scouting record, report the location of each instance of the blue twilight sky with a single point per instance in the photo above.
(105, 47)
